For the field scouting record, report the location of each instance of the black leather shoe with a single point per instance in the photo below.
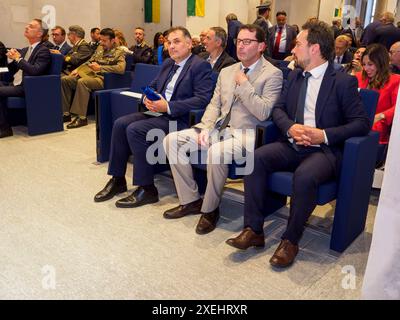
(77, 123)
(248, 238)
(181, 211)
(7, 132)
(207, 222)
(138, 198)
(66, 118)
(112, 188)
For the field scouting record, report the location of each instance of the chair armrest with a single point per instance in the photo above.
(267, 132)
(195, 116)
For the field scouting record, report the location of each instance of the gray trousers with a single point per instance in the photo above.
(78, 103)
(218, 155)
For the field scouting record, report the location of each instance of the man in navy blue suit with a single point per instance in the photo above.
(61, 45)
(184, 83)
(318, 110)
(34, 60)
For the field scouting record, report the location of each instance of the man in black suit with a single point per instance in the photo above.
(3, 57)
(281, 37)
(233, 26)
(215, 43)
(318, 110)
(183, 83)
(34, 60)
(387, 34)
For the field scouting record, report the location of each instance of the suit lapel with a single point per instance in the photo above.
(327, 83)
(182, 74)
(219, 61)
(161, 83)
(295, 96)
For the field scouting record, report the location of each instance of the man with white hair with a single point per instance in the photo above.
(387, 34)
(394, 53)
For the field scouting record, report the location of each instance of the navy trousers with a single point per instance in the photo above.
(5, 92)
(311, 168)
(129, 137)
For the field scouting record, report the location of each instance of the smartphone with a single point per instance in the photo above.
(150, 93)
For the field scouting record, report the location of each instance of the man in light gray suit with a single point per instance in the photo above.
(244, 96)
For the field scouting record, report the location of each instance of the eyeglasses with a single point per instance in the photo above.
(245, 42)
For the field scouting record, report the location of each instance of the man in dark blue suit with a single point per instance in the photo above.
(61, 45)
(184, 83)
(281, 37)
(318, 110)
(34, 60)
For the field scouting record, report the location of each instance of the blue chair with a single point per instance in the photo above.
(42, 100)
(110, 105)
(351, 190)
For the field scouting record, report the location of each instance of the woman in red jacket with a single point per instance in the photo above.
(376, 75)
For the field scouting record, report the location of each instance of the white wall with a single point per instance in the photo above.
(15, 14)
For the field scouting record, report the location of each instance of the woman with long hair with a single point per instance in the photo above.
(376, 76)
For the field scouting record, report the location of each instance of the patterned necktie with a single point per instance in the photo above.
(57, 48)
(225, 123)
(301, 102)
(18, 75)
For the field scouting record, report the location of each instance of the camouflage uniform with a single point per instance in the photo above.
(112, 61)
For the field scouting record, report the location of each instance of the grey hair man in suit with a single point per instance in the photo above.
(215, 43)
(244, 96)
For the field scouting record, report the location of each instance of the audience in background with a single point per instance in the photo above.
(60, 44)
(281, 37)
(386, 34)
(121, 42)
(376, 75)
(80, 52)
(355, 65)
(264, 10)
(233, 25)
(199, 47)
(142, 53)
(3, 57)
(394, 53)
(215, 43)
(342, 54)
(95, 36)
(77, 86)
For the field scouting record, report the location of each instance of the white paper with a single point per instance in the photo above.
(3, 70)
(132, 94)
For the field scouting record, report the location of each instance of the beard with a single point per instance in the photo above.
(301, 63)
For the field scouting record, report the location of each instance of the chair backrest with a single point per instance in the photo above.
(129, 62)
(143, 75)
(370, 101)
(56, 64)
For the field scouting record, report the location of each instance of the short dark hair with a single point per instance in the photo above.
(185, 31)
(59, 28)
(260, 34)
(281, 13)
(93, 30)
(321, 33)
(108, 32)
(220, 34)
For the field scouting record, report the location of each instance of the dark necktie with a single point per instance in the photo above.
(277, 42)
(225, 123)
(169, 78)
(57, 48)
(301, 102)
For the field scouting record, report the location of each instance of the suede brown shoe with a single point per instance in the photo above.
(207, 222)
(248, 238)
(184, 210)
(284, 255)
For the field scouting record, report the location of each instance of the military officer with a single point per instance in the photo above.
(90, 76)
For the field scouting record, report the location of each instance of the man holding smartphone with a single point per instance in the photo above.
(184, 83)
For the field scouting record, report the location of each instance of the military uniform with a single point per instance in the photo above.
(142, 53)
(79, 54)
(110, 61)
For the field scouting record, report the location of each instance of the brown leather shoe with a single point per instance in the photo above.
(77, 123)
(284, 254)
(181, 211)
(207, 222)
(248, 238)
